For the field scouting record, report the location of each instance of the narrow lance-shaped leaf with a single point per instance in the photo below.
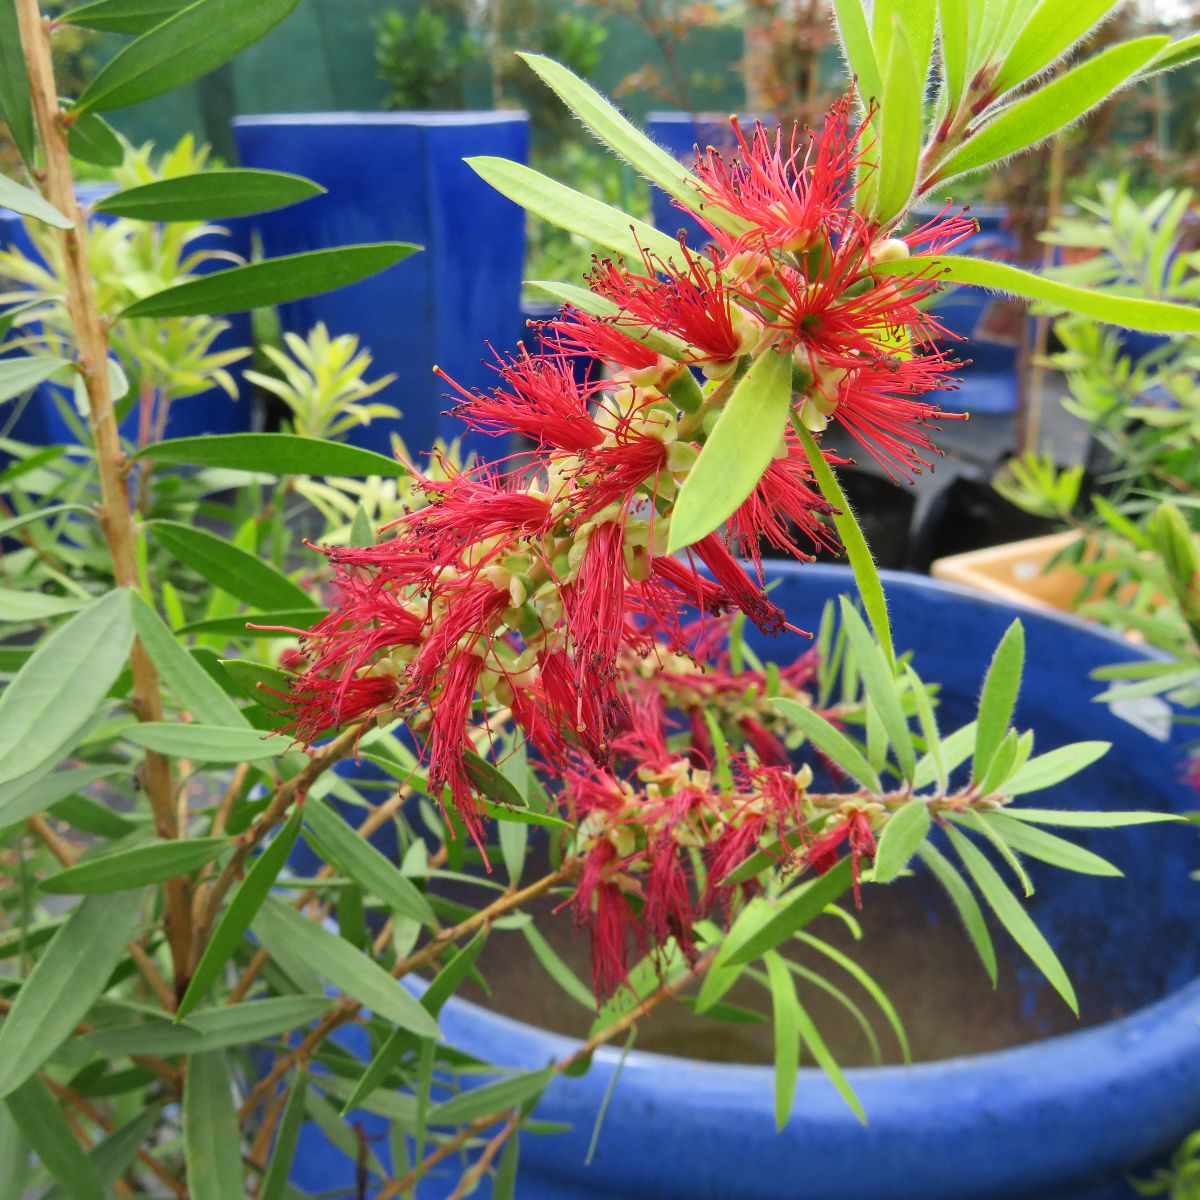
(900, 137)
(1054, 766)
(901, 838)
(211, 1138)
(272, 281)
(1129, 312)
(862, 563)
(1178, 53)
(1050, 32)
(274, 453)
(112, 1157)
(275, 1181)
(1013, 917)
(240, 912)
(953, 34)
(124, 16)
(829, 740)
(236, 571)
(785, 1028)
(92, 140)
(967, 906)
(1037, 843)
(135, 867)
(998, 698)
(346, 968)
(206, 743)
(62, 684)
(31, 204)
(571, 210)
(209, 196)
(43, 1123)
(195, 41)
(16, 110)
(64, 983)
(1072, 818)
(21, 373)
(1052, 107)
(860, 53)
(812, 1038)
(492, 1097)
(738, 450)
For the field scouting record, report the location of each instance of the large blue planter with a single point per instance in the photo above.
(209, 412)
(400, 177)
(1066, 1118)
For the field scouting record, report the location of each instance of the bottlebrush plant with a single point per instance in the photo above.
(549, 641)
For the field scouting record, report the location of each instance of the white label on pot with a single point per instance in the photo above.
(1151, 714)
(1027, 569)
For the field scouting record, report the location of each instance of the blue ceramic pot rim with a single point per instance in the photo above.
(998, 1125)
(407, 118)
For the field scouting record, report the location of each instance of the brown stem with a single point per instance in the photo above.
(114, 513)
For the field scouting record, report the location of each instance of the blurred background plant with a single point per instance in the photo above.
(423, 58)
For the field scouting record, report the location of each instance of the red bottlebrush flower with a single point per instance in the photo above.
(740, 588)
(695, 589)
(321, 702)
(854, 831)
(617, 470)
(668, 909)
(941, 232)
(447, 740)
(770, 750)
(876, 406)
(701, 752)
(601, 907)
(692, 303)
(554, 711)
(468, 611)
(790, 194)
(583, 333)
(783, 504)
(595, 606)
(541, 399)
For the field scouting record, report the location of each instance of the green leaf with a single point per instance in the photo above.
(860, 54)
(23, 798)
(1087, 820)
(40, 514)
(491, 782)
(92, 140)
(1053, 106)
(785, 1026)
(276, 454)
(214, 1028)
(272, 281)
(44, 1126)
(964, 901)
(624, 139)
(275, 1181)
(812, 1038)
(1129, 312)
(970, 819)
(929, 728)
(998, 698)
(952, 39)
(192, 43)
(124, 16)
(15, 108)
(209, 196)
(358, 859)
(19, 607)
(862, 563)
(207, 743)
(235, 571)
(343, 966)
(112, 1157)
(491, 1098)
(1050, 32)
(802, 905)
(191, 684)
(1028, 839)
(879, 683)
(829, 740)
(62, 684)
(900, 137)
(267, 686)
(1013, 917)
(211, 1137)
(1054, 766)
(31, 204)
(558, 970)
(738, 450)
(64, 983)
(278, 623)
(901, 839)
(21, 373)
(135, 867)
(1178, 53)
(573, 211)
(239, 913)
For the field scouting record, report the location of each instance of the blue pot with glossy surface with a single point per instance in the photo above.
(401, 177)
(1060, 1116)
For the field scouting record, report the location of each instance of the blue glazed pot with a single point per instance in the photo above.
(210, 412)
(401, 177)
(1065, 1118)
